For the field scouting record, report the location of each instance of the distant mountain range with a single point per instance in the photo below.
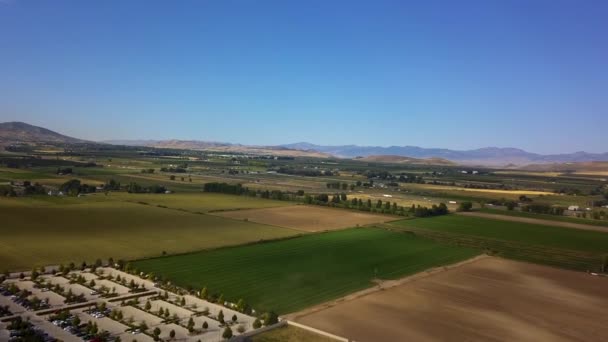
(493, 156)
(19, 132)
(220, 147)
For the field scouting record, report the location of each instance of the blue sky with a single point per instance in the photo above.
(455, 74)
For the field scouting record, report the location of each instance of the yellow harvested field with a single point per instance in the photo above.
(308, 218)
(592, 173)
(404, 199)
(490, 299)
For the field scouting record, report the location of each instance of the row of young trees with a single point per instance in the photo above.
(341, 186)
(267, 318)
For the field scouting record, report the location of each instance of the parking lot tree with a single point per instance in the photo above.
(183, 301)
(205, 325)
(161, 312)
(220, 316)
(175, 318)
(167, 313)
(76, 321)
(270, 318)
(21, 275)
(35, 274)
(148, 305)
(204, 293)
(172, 334)
(227, 333)
(143, 326)
(240, 305)
(190, 325)
(240, 329)
(257, 324)
(234, 318)
(111, 262)
(156, 332)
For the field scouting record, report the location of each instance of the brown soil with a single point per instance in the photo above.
(308, 218)
(489, 299)
(537, 221)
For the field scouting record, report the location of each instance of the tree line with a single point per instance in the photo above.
(338, 200)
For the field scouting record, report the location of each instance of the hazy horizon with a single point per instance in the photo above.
(437, 74)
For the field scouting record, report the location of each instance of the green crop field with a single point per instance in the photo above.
(46, 230)
(546, 217)
(293, 274)
(557, 237)
(570, 248)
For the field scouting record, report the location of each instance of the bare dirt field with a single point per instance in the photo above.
(537, 221)
(308, 218)
(490, 299)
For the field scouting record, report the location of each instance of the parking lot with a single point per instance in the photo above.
(109, 304)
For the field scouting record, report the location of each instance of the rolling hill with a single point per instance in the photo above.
(20, 132)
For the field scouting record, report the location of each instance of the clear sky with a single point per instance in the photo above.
(456, 74)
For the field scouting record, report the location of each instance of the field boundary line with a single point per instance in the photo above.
(381, 286)
(286, 322)
(538, 221)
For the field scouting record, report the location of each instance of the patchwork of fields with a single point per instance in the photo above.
(215, 241)
(293, 274)
(308, 218)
